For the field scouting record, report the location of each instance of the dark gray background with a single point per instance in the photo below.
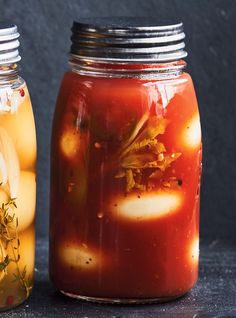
(210, 26)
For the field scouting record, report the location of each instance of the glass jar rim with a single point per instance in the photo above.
(127, 70)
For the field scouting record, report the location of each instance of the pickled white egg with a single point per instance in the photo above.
(25, 201)
(193, 254)
(9, 164)
(81, 256)
(148, 206)
(191, 136)
(20, 127)
(69, 143)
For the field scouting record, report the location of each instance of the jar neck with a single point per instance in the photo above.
(127, 70)
(8, 73)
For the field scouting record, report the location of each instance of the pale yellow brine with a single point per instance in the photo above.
(17, 198)
(17, 187)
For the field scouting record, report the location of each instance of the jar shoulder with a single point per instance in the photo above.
(93, 88)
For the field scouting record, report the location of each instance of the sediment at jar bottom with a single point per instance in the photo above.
(17, 282)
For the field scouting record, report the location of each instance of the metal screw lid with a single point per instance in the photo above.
(128, 40)
(9, 44)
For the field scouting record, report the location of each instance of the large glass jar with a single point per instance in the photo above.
(125, 166)
(17, 176)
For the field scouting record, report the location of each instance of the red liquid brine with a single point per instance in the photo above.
(125, 179)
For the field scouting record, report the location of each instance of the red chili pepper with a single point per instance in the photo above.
(10, 300)
(22, 92)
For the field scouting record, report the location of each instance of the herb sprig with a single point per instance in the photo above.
(142, 156)
(9, 240)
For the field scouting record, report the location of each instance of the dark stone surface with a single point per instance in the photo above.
(210, 27)
(213, 297)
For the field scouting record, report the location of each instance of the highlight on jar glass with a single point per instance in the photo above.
(17, 176)
(125, 165)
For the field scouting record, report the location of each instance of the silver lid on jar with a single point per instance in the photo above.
(127, 40)
(9, 44)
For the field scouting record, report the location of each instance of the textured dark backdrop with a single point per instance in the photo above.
(210, 26)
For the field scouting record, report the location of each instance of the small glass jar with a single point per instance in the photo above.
(125, 165)
(17, 176)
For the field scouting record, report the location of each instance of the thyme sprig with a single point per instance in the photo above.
(9, 240)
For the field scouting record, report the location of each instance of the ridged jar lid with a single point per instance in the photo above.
(132, 40)
(9, 44)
